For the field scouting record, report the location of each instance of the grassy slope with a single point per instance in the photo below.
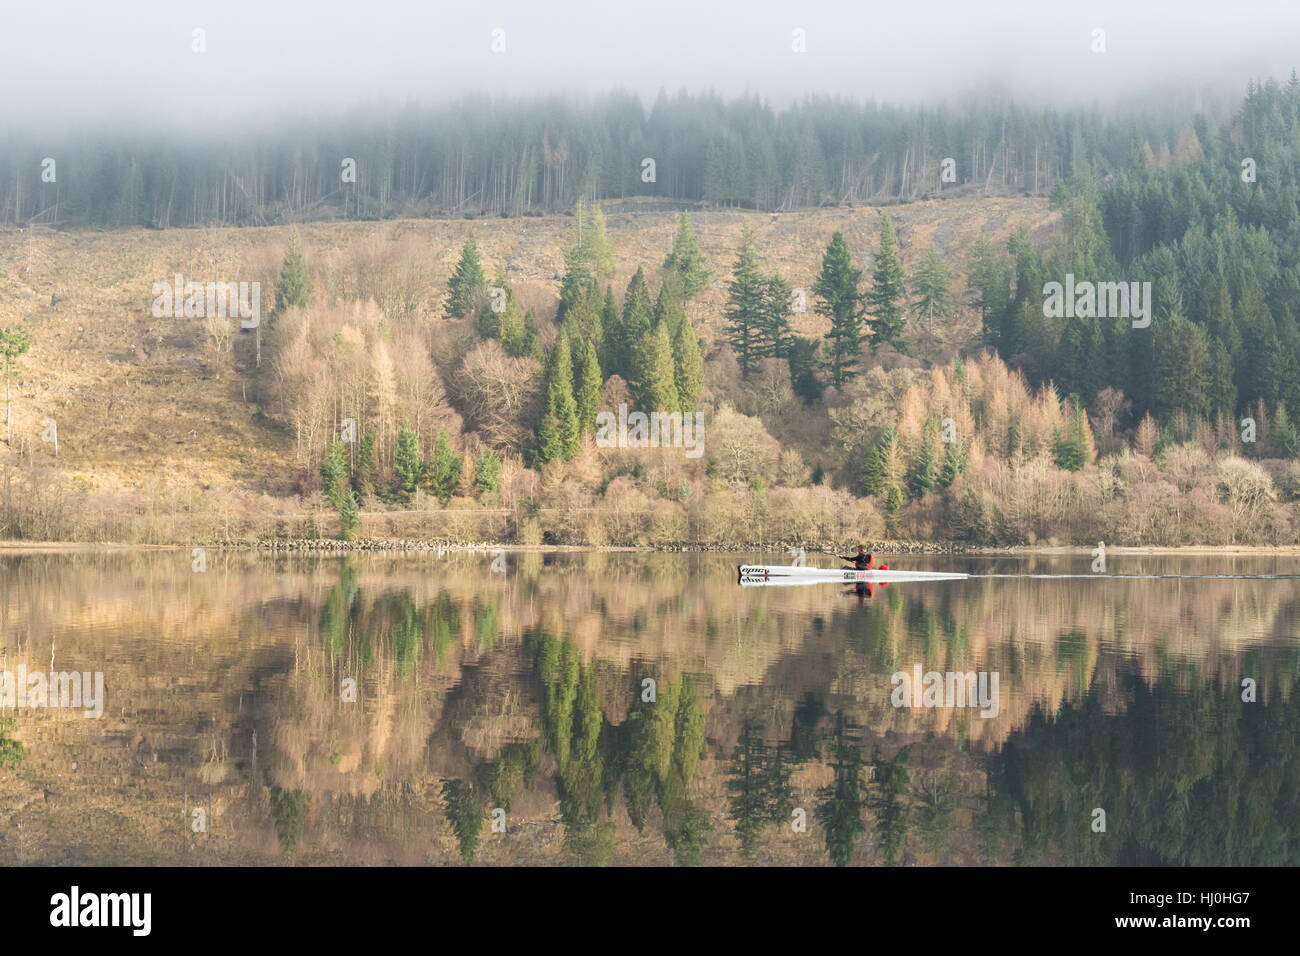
(140, 404)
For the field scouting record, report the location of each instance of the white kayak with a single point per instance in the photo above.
(790, 574)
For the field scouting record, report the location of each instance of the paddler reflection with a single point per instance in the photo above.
(863, 560)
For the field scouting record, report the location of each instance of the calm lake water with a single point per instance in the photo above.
(645, 709)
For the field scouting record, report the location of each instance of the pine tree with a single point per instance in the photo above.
(512, 331)
(294, 285)
(504, 321)
(745, 304)
(591, 249)
(688, 366)
(837, 290)
(577, 290)
(1286, 442)
(443, 470)
(334, 474)
(587, 391)
(407, 462)
(1181, 368)
(922, 479)
(989, 285)
(775, 339)
(531, 344)
(1074, 448)
(633, 324)
(558, 434)
(363, 482)
(467, 291)
(885, 300)
(349, 515)
(878, 466)
(893, 507)
(930, 292)
(487, 469)
(686, 260)
(1081, 371)
(653, 385)
(670, 309)
(954, 462)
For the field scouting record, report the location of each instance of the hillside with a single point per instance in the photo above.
(142, 405)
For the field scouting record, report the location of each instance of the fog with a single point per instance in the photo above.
(82, 62)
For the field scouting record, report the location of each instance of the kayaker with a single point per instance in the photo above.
(862, 561)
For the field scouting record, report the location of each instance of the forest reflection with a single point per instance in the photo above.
(582, 711)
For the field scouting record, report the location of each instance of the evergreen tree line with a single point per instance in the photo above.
(512, 157)
(759, 308)
(1216, 233)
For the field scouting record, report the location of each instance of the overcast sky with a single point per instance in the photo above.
(69, 62)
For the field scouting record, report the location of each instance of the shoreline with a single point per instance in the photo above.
(329, 546)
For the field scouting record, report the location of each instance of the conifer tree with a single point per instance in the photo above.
(587, 390)
(443, 470)
(922, 479)
(686, 260)
(591, 249)
(349, 515)
(745, 304)
(363, 481)
(531, 344)
(989, 287)
(487, 469)
(885, 300)
(467, 291)
(407, 462)
(879, 465)
(1074, 447)
(499, 318)
(558, 434)
(577, 289)
(654, 386)
(775, 339)
(1286, 442)
(688, 366)
(670, 309)
(837, 290)
(930, 293)
(633, 324)
(893, 507)
(334, 474)
(954, 462)
(294, 285)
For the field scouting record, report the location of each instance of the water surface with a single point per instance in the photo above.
(616, 708)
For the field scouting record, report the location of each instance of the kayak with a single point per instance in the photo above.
(790, 574)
